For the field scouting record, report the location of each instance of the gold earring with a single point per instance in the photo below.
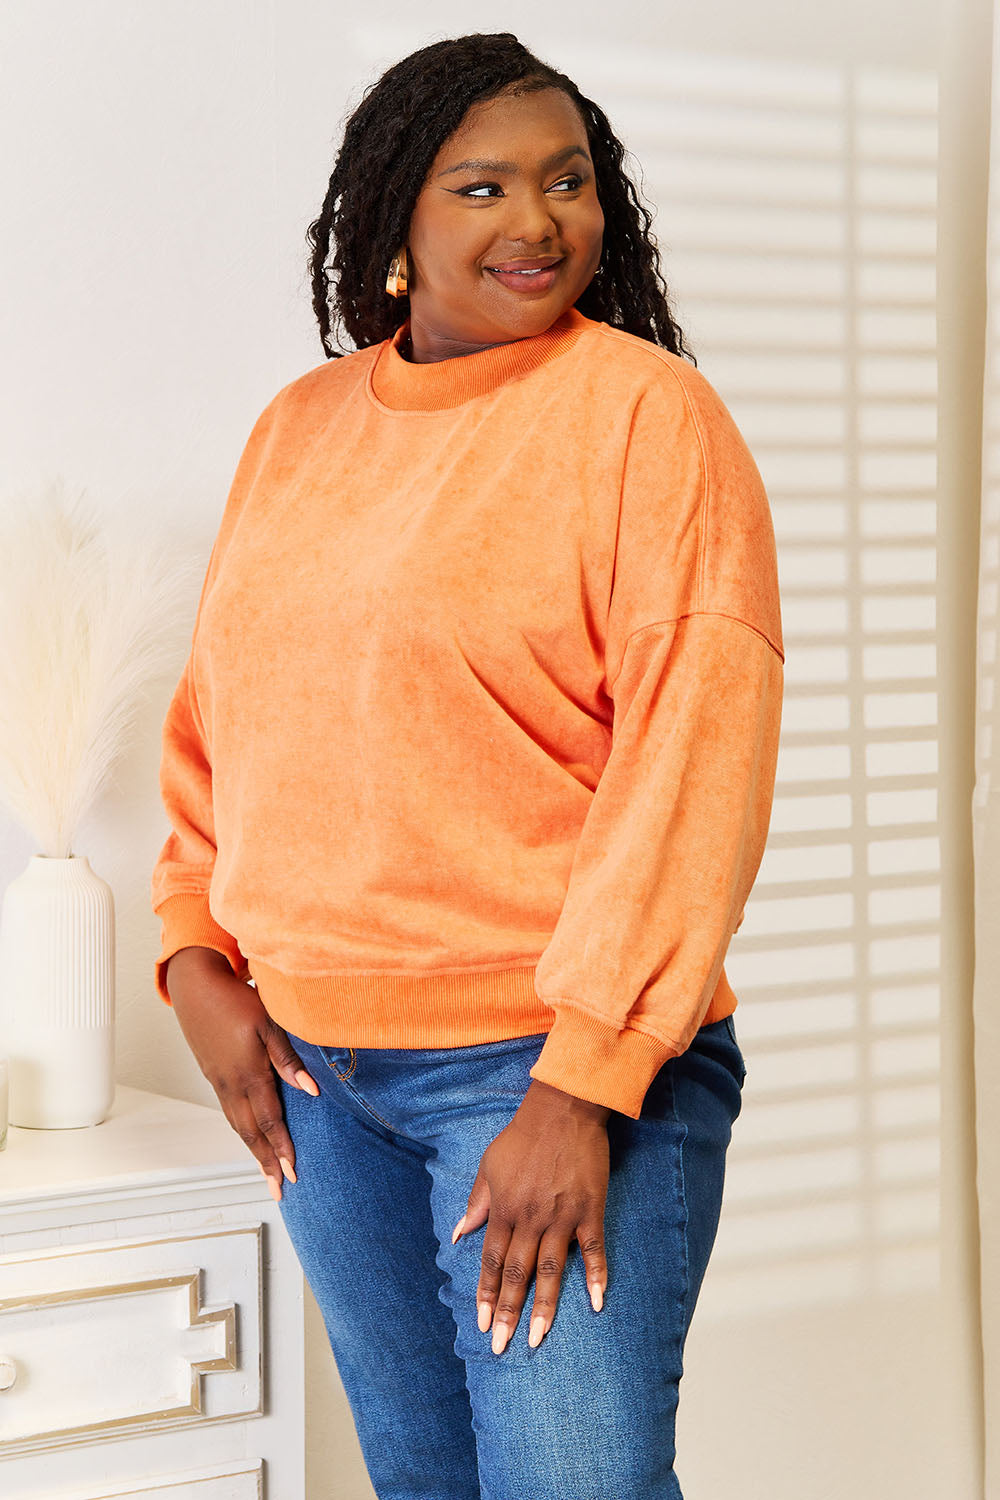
(395, 282)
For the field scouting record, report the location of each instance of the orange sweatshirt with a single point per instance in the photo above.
(478, 731)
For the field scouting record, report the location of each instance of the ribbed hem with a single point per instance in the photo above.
(583, 1055)
(404, 1010)
(397, 384)
(188, 923)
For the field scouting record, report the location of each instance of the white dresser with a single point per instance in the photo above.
(151, 1313)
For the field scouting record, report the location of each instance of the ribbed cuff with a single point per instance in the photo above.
(188, 923)
(591, 1059)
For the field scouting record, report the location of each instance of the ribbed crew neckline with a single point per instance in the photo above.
(399, 385)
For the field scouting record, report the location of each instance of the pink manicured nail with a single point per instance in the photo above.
(485, 1314)
(596, 1295)
(458, 1228)
(537, 1329)
(288, 1169)
(274, 1188)
(501, 1334)
(308, 1084)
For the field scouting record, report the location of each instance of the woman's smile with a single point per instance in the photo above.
(538, 280)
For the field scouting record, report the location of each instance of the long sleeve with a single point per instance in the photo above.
(183, 872)
(669, 851)
(182, 875)
(676, 830)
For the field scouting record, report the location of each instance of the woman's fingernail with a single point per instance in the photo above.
(288, 1169)
(485, 1314)
(274, 1188)
(537, 1329)
(596, 1295)
(458, 1228)
(305, 1082)
(501, 1333)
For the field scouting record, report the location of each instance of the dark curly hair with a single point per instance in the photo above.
(390, 142)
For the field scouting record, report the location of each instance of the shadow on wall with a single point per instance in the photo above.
(800, 206)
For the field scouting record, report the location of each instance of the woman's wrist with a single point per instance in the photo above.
(194, 960)
(549, 1097)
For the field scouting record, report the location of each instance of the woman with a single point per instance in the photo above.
(470, 770)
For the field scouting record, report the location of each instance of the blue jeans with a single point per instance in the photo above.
(385, 1158)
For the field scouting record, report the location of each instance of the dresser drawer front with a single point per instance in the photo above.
(118, 1337)
(236, 1481)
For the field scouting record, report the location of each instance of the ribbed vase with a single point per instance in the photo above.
(57, 993)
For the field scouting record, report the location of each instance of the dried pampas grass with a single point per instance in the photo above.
(90, 614)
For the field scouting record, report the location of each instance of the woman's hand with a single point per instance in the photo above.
(238, 1048)
(541, 1183)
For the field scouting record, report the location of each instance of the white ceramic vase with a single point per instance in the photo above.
(57, 993)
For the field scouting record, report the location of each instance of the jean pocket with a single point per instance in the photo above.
(343, 1060)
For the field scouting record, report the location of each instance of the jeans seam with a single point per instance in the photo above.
(352, 1064)
(366, 1106)
(685, 1292)
(376, 1116)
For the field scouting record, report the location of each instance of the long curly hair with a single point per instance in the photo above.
(390, 142)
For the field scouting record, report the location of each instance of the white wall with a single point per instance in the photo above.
(820, 180)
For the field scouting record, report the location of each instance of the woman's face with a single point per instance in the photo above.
(515, 181)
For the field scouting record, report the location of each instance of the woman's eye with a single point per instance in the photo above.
(478, 187)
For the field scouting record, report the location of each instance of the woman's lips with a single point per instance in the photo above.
(527, 281)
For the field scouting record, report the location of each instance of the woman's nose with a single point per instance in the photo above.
(530, 221)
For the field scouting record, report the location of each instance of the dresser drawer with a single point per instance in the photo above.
(119, 1337)
(239, 1481)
